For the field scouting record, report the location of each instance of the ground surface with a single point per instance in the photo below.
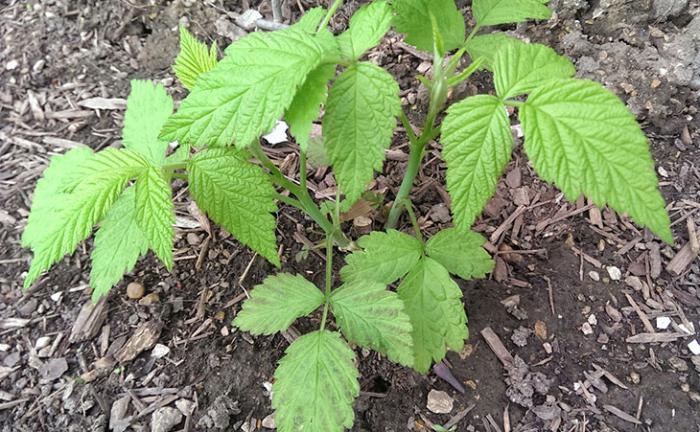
(574, 292)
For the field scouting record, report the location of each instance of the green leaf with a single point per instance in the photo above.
(249, 90)
(147, 109)
(76, 214)
(477, 144)
(311, 20)
(367, 28)
(50, 192)
(194, 59)
(433, 301)
(495, 12)
(582, 138)
(385, 258)
(413, 19)
(315, 385)
(155, 213)
(520, 68)
(486, 46)
(306, 106)
(358, 125)
(275, 304)
(180, 155)
(238, 196)
(373, 317)
(460, 252)
(119, 243)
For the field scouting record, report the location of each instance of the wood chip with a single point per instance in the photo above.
(621, 414)
(497, 347)
(104, 103)
(89, 321)
(683, 258)
(145, 336)
(655, 337)
(642, 315)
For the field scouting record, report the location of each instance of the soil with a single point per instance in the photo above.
(552, 300)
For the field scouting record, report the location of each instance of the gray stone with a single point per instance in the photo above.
(164, 419)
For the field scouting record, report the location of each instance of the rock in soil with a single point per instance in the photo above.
(164, 419)
(440, 402)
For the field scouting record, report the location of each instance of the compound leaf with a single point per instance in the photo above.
(358, 125)
(495, 12)
(147, 109)
(275, 304)
(367, 28)
(249, 90)
(238, 196)
(385, 258)
(78, 211)
(520, 68)
(194, 59)
(413, 19)
(486, 46)
(306, 106)
(433, 301)
(373, 317)
(582, 138)
(51, 192)
(315, 385)
(119, 243)
(155, 213)
(460, 252)
(477, 143)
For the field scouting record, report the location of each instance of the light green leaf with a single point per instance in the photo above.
(194, 59)
(311, 19)
(50, 192)
(238, 196)
(367, 28)
(147, 109)
(486, 46)
(118, 245)
(249, 90)
(315, 385)
(79, 211)
(373, 317)
(155, 213)
(358, 125)
(385, 258)
(433, 301)
(180, 155)
(460, 252)
(413, 19)
(275, 304)
(495, 12)
(306, 106)
(582, 138)
(477, 144)
(520, 68)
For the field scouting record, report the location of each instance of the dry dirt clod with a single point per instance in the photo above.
(440, 402)
(164, 419)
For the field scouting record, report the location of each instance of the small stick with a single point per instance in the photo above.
(642, 315)
(497, 346)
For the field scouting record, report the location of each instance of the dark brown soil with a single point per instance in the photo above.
(57, 53)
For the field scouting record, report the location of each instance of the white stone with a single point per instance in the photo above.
(42, 342)
(248, 19)
(615, 273)
(440, 402)
(594, 275)
(12, 65)
(185, 406)
(694, 347)
(269, 422)
(164, 419)
(586, 329)
(160, 351)
(663, 322)
(592, 320)
(278, 134)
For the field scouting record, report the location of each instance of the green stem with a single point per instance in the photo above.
(180, 176)
(290, 201)
(513, 103)
(175, 166)
(454, 61)
(466, 73)
(329, 280)
(414, 220)
(331, 11)
(407, 125)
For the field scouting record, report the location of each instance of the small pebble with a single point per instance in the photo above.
(678, 364)
(160, 351)
(615, 273)
(440, 402)
(193, 239)
(149, 300)
(603, 338)
(594, 275)
(663, 322)
(586, 329)
(635, 377)
(134, 290)
(269, 422)
(11, 65)
(592, 320)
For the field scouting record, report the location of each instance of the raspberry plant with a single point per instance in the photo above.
(578, 135)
